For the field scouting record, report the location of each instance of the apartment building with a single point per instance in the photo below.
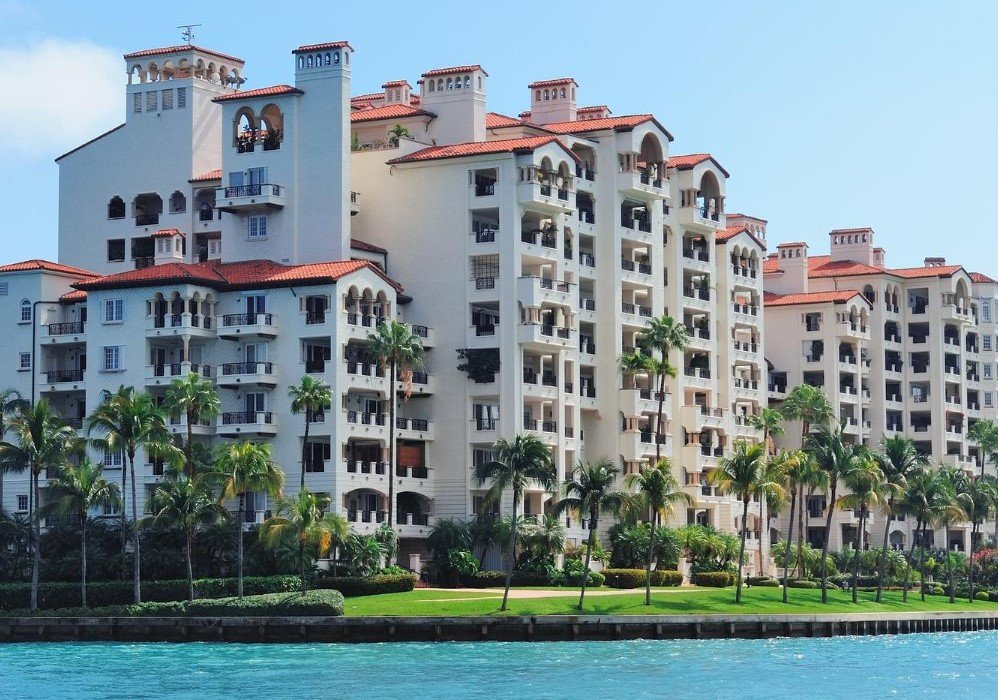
(897, 350)
(271, 229)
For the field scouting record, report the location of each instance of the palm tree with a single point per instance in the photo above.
(10, 402)
(244, 467)
(196, 399)
(865, 481)
(394, 346)
(985, 434)
(658, 493)
(396, 134)
(836, 458)
(810, 405)
(78, 490)
(124, 421)
(898, 459)
(662, 335)
(769, 422)
(310, 396)
(519, 462)
(305, 519)
(923, 498)
(186, 503)
(978, 501)
(42, 440)
(590, 492)
(743, 475)
(952, 508)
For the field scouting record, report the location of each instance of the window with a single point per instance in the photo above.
(152, 98)
(137, 103)
(181, 98)
(116, 250)
(22, 503)
(986, 311)
(987, 399)
(256, 227)
(167, 99)
(116, 208)
(25, 311)
(114, 460)
(24, 361)
(987, 370)
(4, 289)
(114, 311)
(178, 202)
(112, 358)
(986, 341)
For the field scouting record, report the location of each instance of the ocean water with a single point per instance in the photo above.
(919, 665)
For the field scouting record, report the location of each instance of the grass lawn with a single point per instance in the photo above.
(664, 602)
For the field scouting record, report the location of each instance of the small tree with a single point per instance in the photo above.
(769, 422)
(867, 490)
(396, 134)
(195, 399)
(310, 396)
(898, 459)
(304, 518)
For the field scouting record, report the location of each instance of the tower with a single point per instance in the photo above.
(457, 97)
(553, 100)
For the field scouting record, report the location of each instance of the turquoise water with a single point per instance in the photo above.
(959, 664)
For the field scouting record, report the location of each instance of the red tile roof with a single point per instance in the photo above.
(322, 47)
(732, 231)
(593, 108)
(209, 176)
(369, 247)
(478, 148)
(368, 97)
(916, 272)
(691, 160)
(494, 120)
(268, 91)
(834, 297)
(179, 49)
(791, 244)
(770, 264)
(249, 274)
(167, 232)
(374, 114)
(451, 70)
(553, 81)
(396, 83)
(46, 266)
(861, 229)
(981, 278)
(822, 266)
(73, 297)
(623, 123)
(87, 143)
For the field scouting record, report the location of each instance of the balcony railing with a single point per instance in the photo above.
(696, 254)
(362, 418)
(58, 376)
(74, 328)
(247, 417)
(367, 467)
(253, 190)
(231, 320)
(233, 368)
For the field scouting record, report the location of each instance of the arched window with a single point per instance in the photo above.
(537, 96)
(547, 94)
(450, 83)
(309, 61)
(440, 84)
(336, 58)
(432, 86)
(116, 208)
(301, 62)
(467, 82)
(871, 296)
(563, 93)
(329, 59)
(25, 311)
(178, 202)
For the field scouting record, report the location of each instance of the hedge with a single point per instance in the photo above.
(496, 579)
(802, 583)
(625, 578)
(312, 603)
(714, 579)
(768, 583)
(351, 586)
(64, 594)
(666, 577)
(982, 595)
(757, 580)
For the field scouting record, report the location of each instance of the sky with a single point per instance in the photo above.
(827, 115)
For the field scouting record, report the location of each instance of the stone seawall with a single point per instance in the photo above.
(475, 629)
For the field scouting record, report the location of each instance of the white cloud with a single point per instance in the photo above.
(57, 94)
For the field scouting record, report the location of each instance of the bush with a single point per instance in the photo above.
(352, 586)
(484, 579)
(982, 595)
(713, 579)
(666, 577)
(596, 579)
(802, 583)
(862, 581)
(768, 583)
(757, 580)
(312, 603)
(625, 578)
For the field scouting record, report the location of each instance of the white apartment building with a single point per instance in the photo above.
(897, 350)
(256, 235)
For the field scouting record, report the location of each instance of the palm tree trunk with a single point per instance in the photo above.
(589, 552)
(856, 550)
(36, 539)
(304, 446)
(239, 546)
(800, 535)
(921, 564)
(824, 545)
(741, 552)
(970, 562)
(124, 529)
(651, 551)
(907, 563)
(510, 562)
(949, 569)
(391, 454)
(790, 543)
(301, 565)
(881, 565)
(188, 536)
(83, 562)
(136, 573)
(658, 417)
(189, 447)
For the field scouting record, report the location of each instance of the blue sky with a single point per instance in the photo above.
(827, 115)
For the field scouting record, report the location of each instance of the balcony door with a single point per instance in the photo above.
(159, 360)
(255, 304)
(255, 403)
(256, 352)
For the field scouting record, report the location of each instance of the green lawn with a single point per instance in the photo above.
(664, 602)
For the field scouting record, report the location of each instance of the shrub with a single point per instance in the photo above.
(768, 583)
(713, 579)
(802, 583)
(352, 586)
(666, 577)
(982, 595)
(596, 579)
(757, 580)
(484, 579)
(314, 602)
(625, 578)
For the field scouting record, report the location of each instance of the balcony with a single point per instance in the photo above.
(745, 346)
(749, 310)
(167, 325)
(545, 197)
(696, 297)
(427, 336)
(636, 402)
(368, 425)
(178, 426)
(164, 374)
(746, 273)
(777, 390)
(59, 380)
(696, 219)
(245, 199)
(237, 374)
(697, 376)
(236, 326)
(639, 272)
(849, 329)
(543, 335)
(65, 333)
(635, 310)
(697, 417)
(413, 524)
(414, 428)
(536, 291)
(639, 184)
(246, 423)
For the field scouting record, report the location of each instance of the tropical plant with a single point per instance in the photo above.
(10, 402)
(658, 493)
(188, 504)
(363, 554)
(124, 421)
(769, 422)
(542, 540)
(898, 459)
(589, 492)
(195, 399)
(662, 335)
(304, 520)
(953, 508)
(396, 348)
(241, 468)
(924, 497)
(985, 434)
(977, 499)
(867, 490)
(77, 491)
(41, 441)
(312, 397)
(743, 475)
(396, 134)
(810, 406)
(519, 462)
(483, 535)
(447, 536)
(707, 549)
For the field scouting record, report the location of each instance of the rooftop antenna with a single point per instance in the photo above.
(188, 34)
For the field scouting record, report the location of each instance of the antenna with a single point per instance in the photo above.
(188, 34)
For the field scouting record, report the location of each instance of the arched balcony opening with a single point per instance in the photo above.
(116, 208)
(365, 506)
(178, 202)
(204, 200)
(710, 202)
(651, 161)
(413, 509)
(146, 208)
(245, 129)
(586, 168)
(273, 127)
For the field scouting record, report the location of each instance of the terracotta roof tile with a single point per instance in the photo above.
(916, 272)
(167, 232)
(396, 83)
(451, 70)
(358, 244)
(73, 297)
(323, 46)
(834, 297)
(494, 120)
(981, 278)
(209, 176)
(387, 112)
(622, 123)
(732, 231)
(553, 81)
(87, 143)
(477, 148)
(368, 97)
(46, 266)
(179, 49)
(593, 108)
(691, 160)
(861, 229)
(269, 91)
(822, 266)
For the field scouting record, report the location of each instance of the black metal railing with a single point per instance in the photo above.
(73, 328)
(230, 368)
(230, 320)
(246, 417)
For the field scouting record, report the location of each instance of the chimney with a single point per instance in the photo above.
(397, 92)
(552, 101)
(879, 258)
(935, 262)
(792, 262)
(754, 225)
(169, 244)
(855, 244)
(457, 97)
